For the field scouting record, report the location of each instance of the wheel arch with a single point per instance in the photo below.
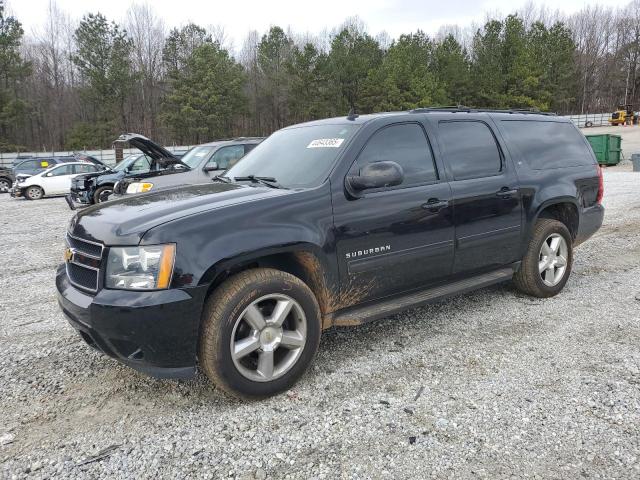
(563, 209)
(305, 261)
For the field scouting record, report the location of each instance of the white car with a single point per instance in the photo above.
(53, 181)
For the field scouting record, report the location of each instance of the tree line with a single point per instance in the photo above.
(76, 85)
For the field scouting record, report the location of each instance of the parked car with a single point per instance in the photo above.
(34, 165)
(98, 187)
(328, 223)
(55, 180)
(203, 163)
(6, 179)
(95, 187)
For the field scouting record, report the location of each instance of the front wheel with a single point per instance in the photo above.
(260, 332)
(546, 266)
(5, 185)
(102, 194)
(34, 193)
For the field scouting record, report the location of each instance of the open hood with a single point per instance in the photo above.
(157, 153)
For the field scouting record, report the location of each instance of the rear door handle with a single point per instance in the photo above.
(435, 204)
(505, 192)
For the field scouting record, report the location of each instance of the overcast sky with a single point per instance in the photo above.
(238, 17)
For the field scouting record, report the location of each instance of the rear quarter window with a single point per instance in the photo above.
(548, 144)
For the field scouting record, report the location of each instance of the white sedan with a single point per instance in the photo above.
(53, 181)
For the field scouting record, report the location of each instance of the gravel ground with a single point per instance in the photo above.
(488, 385)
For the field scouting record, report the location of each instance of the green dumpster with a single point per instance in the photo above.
(607, 148)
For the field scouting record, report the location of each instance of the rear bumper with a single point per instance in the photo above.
(155, 333)
(590, 222)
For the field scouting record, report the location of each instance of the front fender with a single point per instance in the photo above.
(212, 241)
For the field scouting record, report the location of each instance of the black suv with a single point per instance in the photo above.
(332, 222)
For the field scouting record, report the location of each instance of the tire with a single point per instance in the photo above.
(588, 124)
(541, 273)
(34, 192)
(100, 191)
(241, 310)
(5, 185)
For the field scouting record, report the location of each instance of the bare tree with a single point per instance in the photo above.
(147, 32)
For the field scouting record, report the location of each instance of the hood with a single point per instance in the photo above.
(87, 176)
(125, 221)
(156, 152)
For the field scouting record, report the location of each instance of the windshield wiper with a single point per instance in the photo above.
(267, 181)
(220, 178)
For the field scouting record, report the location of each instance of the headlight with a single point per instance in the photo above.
(140, 268)
(139, 187)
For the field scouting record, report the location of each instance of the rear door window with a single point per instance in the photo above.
(470, 149)
(548, 144)
(407, 145)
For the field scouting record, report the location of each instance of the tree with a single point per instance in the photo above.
(308, 71)
(274, 54)
(179, 47)
(404, 80)
(353, 54)
(103, 59)
(452, 70)
(147, 33)
(206, 96)
(13, 72)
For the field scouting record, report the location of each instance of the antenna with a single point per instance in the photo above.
(352, 115)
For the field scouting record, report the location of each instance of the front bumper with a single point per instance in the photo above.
(80, 196)
(154, 332)
(16, 191)
(590, 222)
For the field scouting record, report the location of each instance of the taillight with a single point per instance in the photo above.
(600, 186)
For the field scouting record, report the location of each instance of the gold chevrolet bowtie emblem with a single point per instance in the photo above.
(68, 254)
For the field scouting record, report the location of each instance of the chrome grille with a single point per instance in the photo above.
(83, 266)
(90, 249)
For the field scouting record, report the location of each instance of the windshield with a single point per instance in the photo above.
(194, 157)
(296, 157)
(126, 162)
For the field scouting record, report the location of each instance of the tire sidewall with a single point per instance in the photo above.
(224, 364)
(562, 230)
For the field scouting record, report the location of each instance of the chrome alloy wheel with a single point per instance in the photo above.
(268, 337)
(34, 193)
(552, 263)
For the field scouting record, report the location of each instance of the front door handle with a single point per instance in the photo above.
(435, 204)
(505, 192)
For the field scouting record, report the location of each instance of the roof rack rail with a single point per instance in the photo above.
(463, 109)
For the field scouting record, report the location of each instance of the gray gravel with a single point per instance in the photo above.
(488, 385)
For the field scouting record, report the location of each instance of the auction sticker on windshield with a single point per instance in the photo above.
(326, 143)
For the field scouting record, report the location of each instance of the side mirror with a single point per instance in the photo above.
(211, 167)
(376, 175)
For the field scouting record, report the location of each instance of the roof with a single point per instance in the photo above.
(362, 119)
(232, 141)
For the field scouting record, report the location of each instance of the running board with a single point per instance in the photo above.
(359, 315)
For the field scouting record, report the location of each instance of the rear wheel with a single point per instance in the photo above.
(260, 331)
(546, 266)
(34, 193)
